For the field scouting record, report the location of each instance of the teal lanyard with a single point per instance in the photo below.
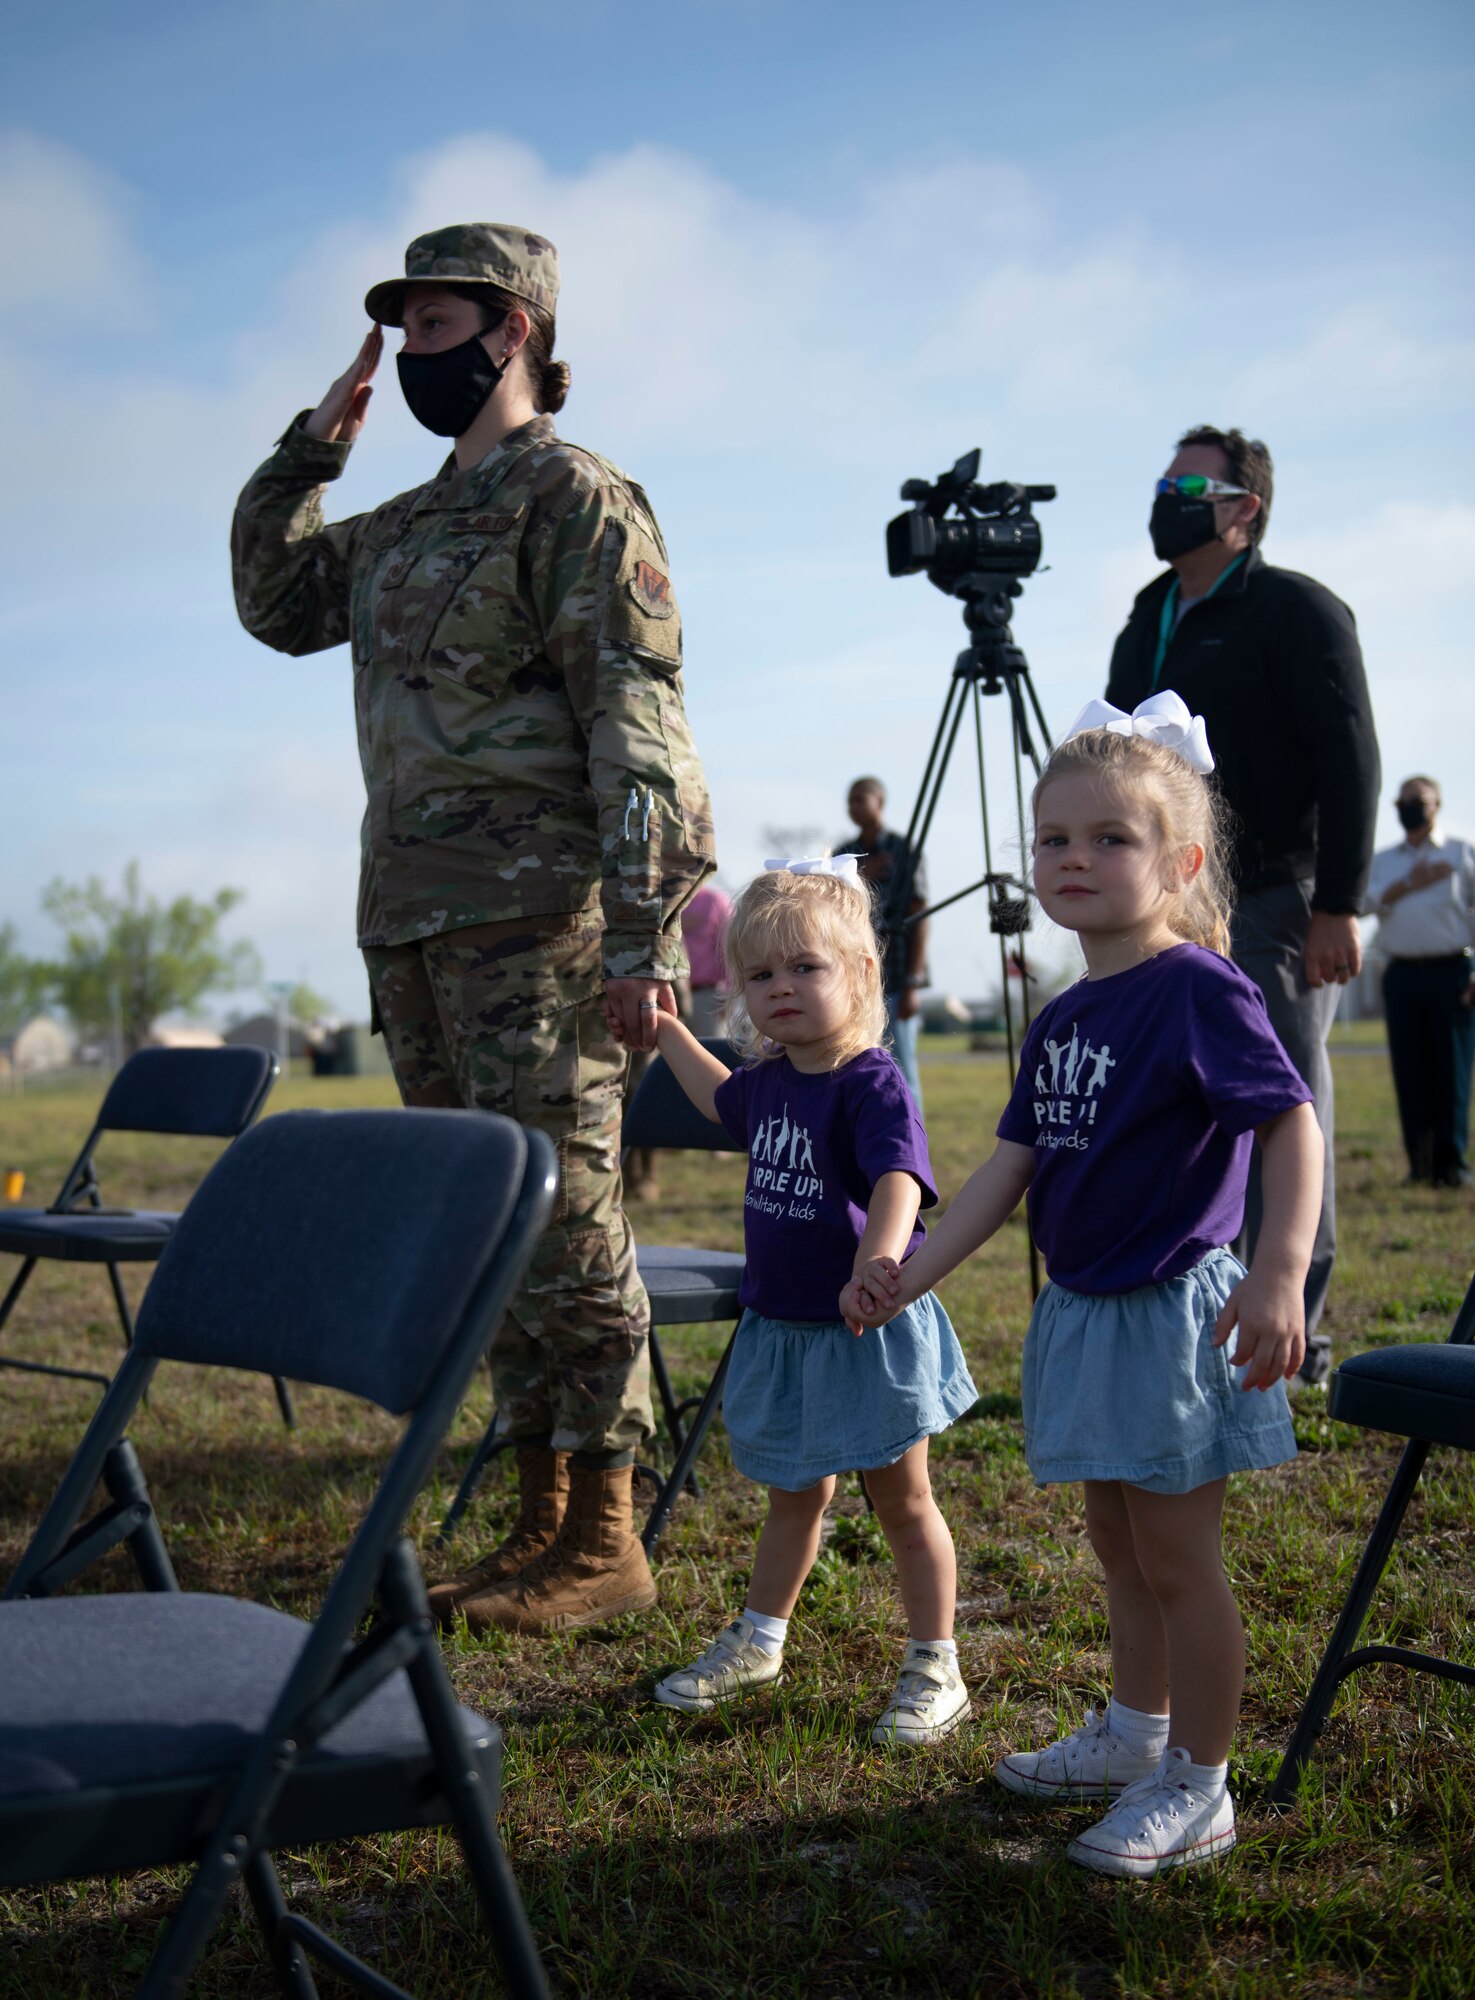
(1168, 619)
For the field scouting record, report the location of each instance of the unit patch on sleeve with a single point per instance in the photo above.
(641, 615)
(652, 591)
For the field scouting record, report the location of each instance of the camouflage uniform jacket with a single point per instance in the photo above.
(517, 685)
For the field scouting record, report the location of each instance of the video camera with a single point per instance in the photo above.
(995, 534)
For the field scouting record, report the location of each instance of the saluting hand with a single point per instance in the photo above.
(339, 417)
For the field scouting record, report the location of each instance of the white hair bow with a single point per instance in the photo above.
(1163, 718)
(846, 866)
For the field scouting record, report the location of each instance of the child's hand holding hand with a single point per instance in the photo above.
(873, 1296)
(860, 1307)
(881, 1277)
(652, 1020)
(1269, 1314)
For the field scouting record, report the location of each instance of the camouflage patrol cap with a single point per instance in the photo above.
(473, 253)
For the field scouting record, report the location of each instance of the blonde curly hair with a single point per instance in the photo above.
(780, 914)
(1186, 809)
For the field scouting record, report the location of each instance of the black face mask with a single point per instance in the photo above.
(446, 391)
(1413, 813)
(1179, 526)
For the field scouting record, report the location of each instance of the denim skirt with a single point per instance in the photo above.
(1129, 1386)
(805, 1398)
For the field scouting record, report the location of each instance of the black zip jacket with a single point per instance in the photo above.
(1272, 664)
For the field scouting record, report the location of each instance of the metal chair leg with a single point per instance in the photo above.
(352, 1971)
(487, 1450)
(496, 1888)
(115, 1279)
(45, 1368)
(294, 1975)
(686, 1457)
(1336, 1664)
(123, 1476)
(403, 1592)
(188, 1932)
(662, 1374)
(7, 1304)
(674, 1411)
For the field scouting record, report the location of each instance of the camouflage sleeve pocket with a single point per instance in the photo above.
(642, 616)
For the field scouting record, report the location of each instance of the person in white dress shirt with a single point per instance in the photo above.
(1422, 893)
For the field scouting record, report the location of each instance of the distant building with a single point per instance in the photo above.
(354, 1051)
(167, 1035)
(43, 1044)
(943, 1014)
(263, 1031)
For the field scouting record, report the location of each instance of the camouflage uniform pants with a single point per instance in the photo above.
(509, 1017)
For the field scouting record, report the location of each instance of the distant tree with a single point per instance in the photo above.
(129, 958)
(25, 983)
(306, 1005)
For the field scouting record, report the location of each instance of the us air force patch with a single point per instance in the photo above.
(652, 591)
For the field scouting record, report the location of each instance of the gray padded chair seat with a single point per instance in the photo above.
(687, 1286)
(165, 1692)
(1425, 1391)
(86, 1235)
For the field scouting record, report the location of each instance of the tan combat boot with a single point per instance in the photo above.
(542, 1495)
(596, 1569)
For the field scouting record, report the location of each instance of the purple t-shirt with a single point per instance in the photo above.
(816, 1146)
(1140, 1094)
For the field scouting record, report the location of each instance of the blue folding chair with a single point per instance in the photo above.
(187, 1093)
(686, 1287)
(1425, 1393)
(156, 1727)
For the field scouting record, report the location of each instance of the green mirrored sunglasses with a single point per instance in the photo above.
(1197, 486)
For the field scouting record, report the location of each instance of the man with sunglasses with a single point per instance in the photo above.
(1271, 661)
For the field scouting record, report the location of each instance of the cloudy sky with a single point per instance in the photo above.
(809, 250)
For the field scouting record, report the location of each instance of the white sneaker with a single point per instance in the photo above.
(1090, 1763)
(733, 1664)
(1163, 1822)
(930, 1699)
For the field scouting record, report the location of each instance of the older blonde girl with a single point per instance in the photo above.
(1130, 1126)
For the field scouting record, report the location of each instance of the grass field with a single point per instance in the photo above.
(772, 1851)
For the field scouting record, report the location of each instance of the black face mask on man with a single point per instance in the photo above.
(446, 391)
(1179, 525)
(1413, 814)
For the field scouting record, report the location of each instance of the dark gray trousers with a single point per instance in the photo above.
(1270, 928)
(1431, 1045)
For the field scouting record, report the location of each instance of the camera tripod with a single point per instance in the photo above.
(990, 664)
